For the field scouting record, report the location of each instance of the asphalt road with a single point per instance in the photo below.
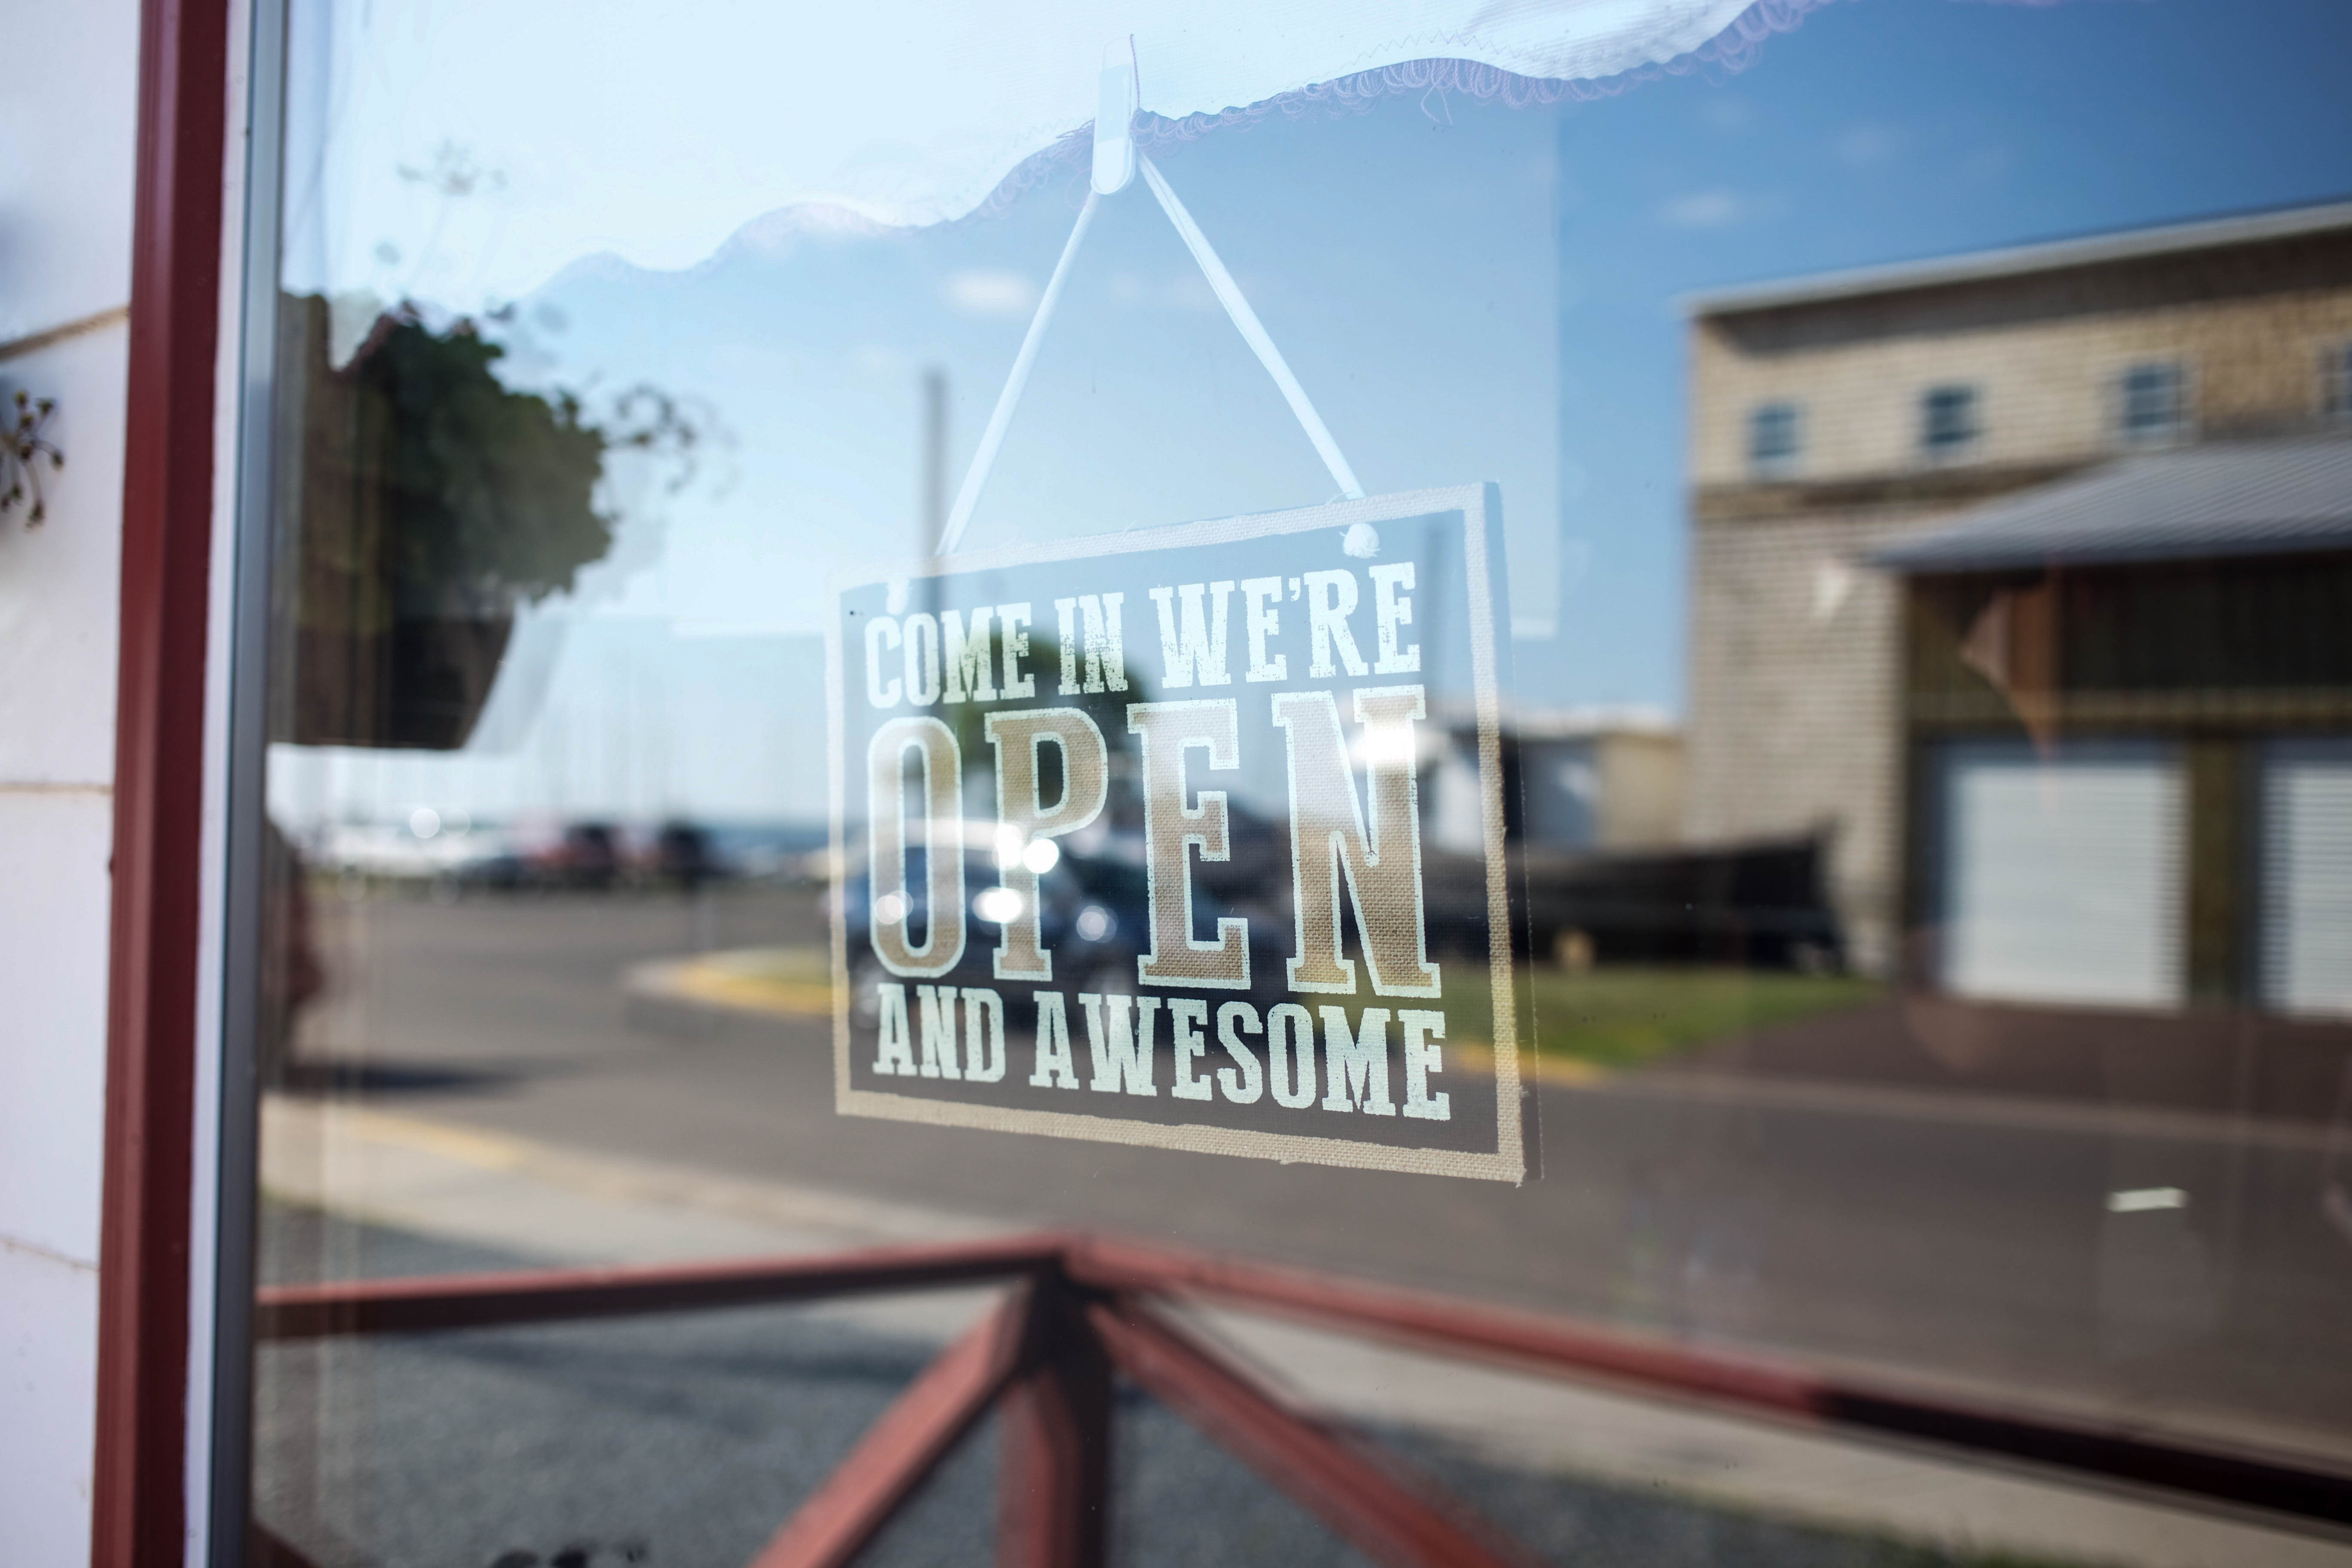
(1975, 1250)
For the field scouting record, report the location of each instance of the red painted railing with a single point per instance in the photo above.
(1082, 1306)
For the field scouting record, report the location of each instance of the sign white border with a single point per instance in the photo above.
(1478, 506)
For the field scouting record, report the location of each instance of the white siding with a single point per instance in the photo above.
(2063, 876)
(68, 120)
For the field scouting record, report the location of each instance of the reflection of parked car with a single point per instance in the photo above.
(1761, 903)
(683, 856)
(589, 856)
(1093, 915)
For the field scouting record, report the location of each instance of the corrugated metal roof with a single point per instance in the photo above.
(2242, 497)
(2015, 260)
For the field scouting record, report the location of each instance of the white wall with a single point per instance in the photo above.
(67, 121)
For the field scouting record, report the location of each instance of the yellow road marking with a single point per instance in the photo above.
(784, 982)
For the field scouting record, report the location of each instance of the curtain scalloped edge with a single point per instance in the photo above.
(1738, 45)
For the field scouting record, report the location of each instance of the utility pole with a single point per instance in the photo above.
(935, 457)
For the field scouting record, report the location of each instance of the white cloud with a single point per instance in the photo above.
(1728, 113)
(981, 293)
(1705, 209)
(1185, 290)
(1987, 163)
(1869, 146)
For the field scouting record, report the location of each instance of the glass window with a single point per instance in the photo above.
(2335, 381)
(1949, 422)
(991, 755)
(2153, 405)
(1774, 438)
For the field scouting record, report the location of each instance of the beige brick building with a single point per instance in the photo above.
(1834, 415)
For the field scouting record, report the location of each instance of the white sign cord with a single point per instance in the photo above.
(1253, 333)
(1229, 294)
(1009, 399)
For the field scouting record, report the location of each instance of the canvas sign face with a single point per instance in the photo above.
(1190, 838)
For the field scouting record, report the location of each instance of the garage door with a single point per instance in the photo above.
(2306, 946)
(2061, 875)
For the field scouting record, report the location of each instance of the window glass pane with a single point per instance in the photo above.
(1948, 420)
(1773, 440)
(2335, 381)
(2152, 403)
(1610, 745)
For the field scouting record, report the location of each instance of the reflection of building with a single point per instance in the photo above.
(2126, 700)
(1587, 780)
(2110, 470)
(1602, 780)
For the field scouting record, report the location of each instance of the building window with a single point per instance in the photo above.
(2335, 381)
(2152, 405)
(1949, 422)
(1774, 439)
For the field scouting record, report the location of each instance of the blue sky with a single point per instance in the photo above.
(1468, 291)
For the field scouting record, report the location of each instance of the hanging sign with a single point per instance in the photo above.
(1190, 838)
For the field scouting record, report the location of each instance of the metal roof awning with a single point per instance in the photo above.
(2244, 498)
(2018, 261)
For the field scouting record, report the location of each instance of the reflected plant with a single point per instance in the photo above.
(21, 449)
(664, 426)
(453, 172)
(454, 175)
(491, 492)
(433, 501)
